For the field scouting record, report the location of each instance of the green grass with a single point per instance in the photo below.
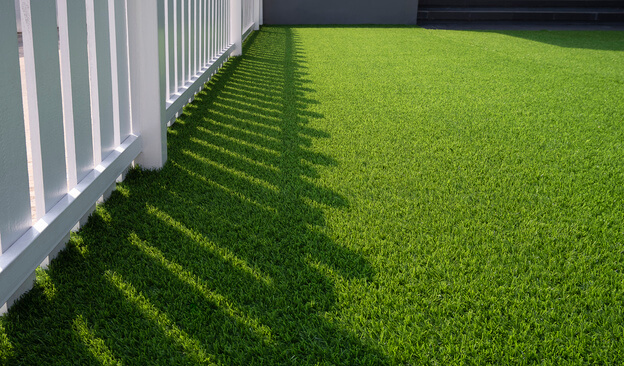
(362, 195)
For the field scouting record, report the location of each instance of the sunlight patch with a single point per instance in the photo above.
(233, 154)
(200, 239)
(103, 214)
(238, 173)
(6, 348)
(46, 283)
(260, 330)
(323, 268)
(191, 346)
(254, 90)
(249, 122)
(231, 192)
(236, 110)
(96, 346)
(123, 190)
(257, 99)
(239, 141)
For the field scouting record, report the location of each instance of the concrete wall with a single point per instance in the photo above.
(340, 11)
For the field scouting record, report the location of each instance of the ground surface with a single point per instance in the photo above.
(349, 195)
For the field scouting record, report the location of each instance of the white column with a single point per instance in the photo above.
(235, 27)
(146, 37)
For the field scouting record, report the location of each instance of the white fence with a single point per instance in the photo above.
(93, 71)
(251, 15)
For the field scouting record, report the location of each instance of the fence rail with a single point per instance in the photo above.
(94, 72)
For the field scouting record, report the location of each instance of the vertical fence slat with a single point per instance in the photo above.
(187, 41)
(213, 28)
(43, 85)
(191, 42)
(114, 72)
(230, 22)
(171, 46)
(93, 78)
(256, 12)
(214, 32)
(195, 38)
(123, 77)
(205, 58)
(202, 32)
(225, 21)
(186, 47)
(217, 26)
(200, 24)
(235, 35)
(211, 34)
(66, 86)
(219, 18)
(180, 44)
(245, 15)
(208, 30)
(105, 85)
(168, 64)
(15, 216)
(230, 16)
(76, 93)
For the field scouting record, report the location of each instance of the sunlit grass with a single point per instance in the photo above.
(362, 195)
(96, 346)
(192, 348)
(201, 240)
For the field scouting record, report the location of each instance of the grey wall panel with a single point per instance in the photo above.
(340, 11)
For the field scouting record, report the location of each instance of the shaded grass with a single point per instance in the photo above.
(407, 197)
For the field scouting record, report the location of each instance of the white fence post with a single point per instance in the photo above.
(235, 27)
(15, 216)
(146, 38)
(256, 14)
(261, 12)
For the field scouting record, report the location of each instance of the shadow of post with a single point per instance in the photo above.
(222, 256)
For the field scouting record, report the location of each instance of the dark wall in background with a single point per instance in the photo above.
(340, 11)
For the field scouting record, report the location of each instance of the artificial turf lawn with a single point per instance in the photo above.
(362, 195)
